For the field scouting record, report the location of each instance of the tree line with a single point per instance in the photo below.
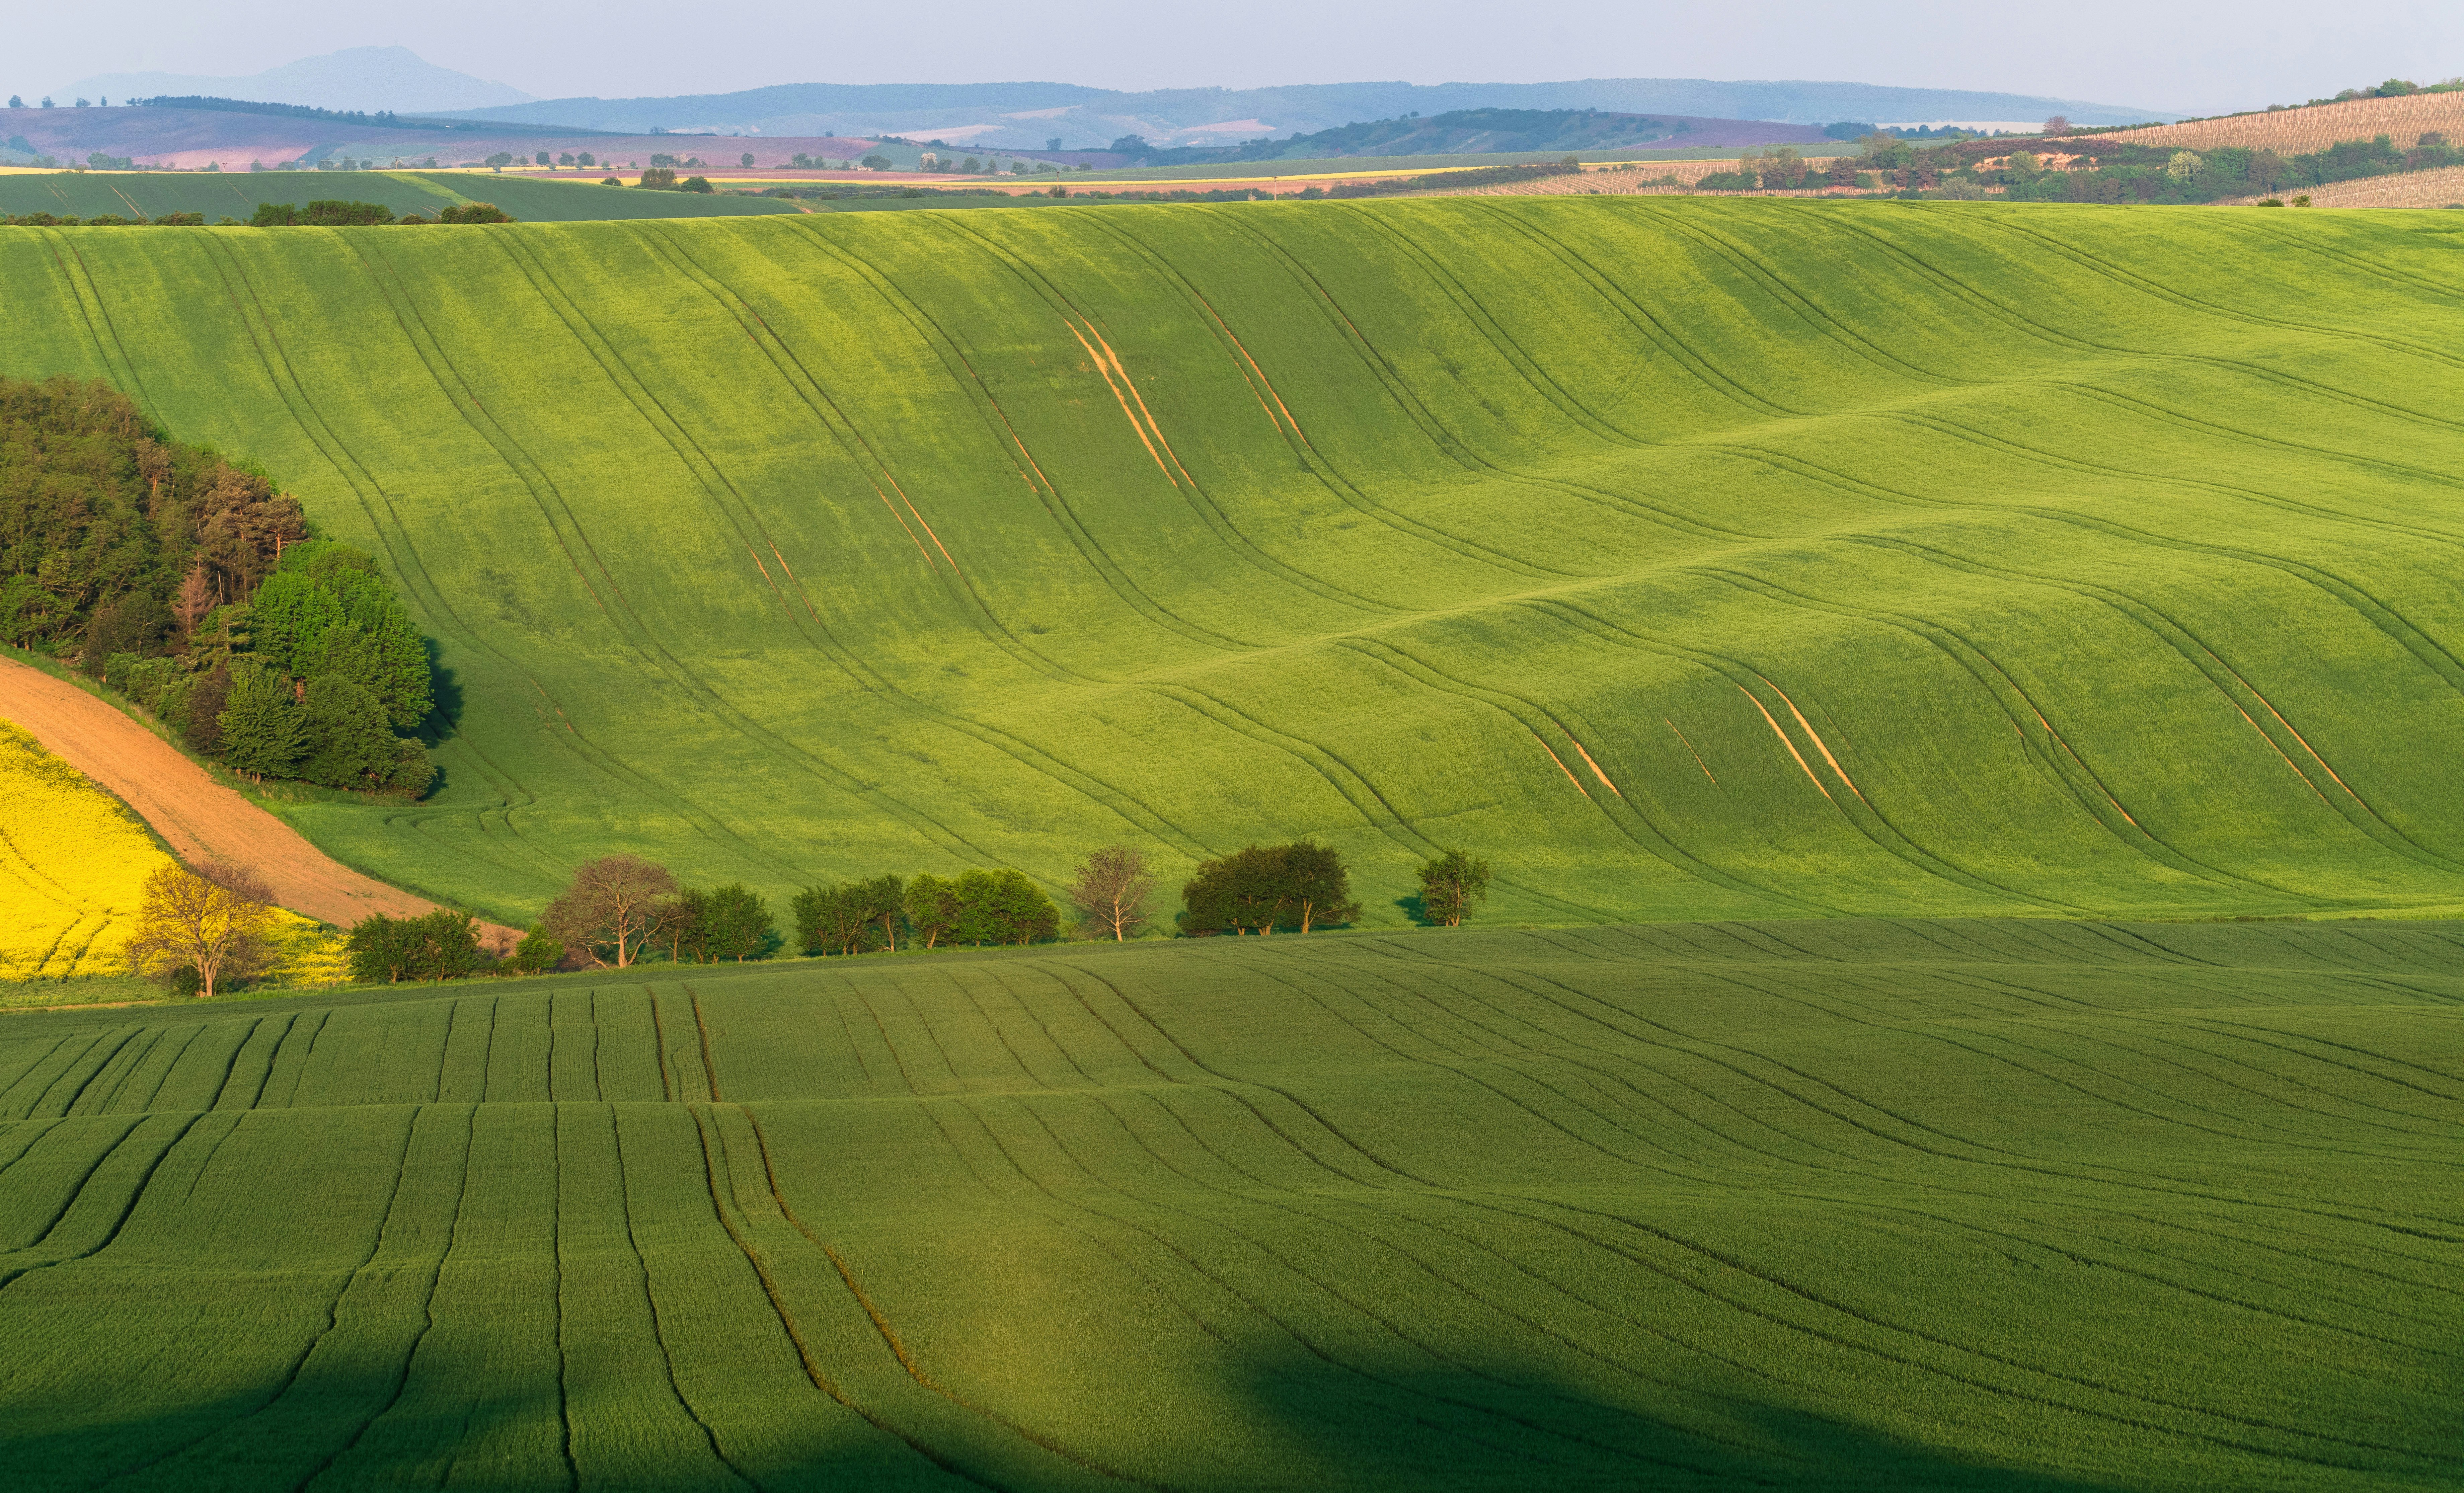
(187, 584)
(205, 930)
(336, 212)
(2113, 171)
(323, 213)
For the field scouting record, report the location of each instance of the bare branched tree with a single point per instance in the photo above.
(1110, 891)
(212, 920)
(613, 909)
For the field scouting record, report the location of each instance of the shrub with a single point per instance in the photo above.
(538, 952)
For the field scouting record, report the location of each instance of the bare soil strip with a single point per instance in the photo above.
(1561, 764)
(1784, 741)
(198, 817)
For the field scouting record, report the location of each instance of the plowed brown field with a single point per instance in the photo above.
(198, 817)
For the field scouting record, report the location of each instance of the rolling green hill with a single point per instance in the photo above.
(1690, 559)
(2035, 1207)
(87, 194)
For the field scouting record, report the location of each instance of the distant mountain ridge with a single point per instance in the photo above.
(365, 78)
(1027, 113)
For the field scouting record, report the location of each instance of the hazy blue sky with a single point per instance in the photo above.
(2196, 55)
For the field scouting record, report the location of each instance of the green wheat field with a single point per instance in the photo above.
(1983, 1204)
(1964, 701)
(1690, 559)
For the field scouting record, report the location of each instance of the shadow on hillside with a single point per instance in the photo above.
(1308, 1424)
(1307, 1427)
(1500, 1429)
(444, 713)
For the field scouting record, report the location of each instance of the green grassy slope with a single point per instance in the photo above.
(236, 194)
(1690, 558)
(2026, 1206)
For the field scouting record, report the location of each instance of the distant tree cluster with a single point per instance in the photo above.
(660, 178)
(383, 119)
(2393, 88)
(103, 220)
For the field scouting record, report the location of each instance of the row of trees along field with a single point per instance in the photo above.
(187, 584)
(325, 212)
(204, 930)
(2104, 169)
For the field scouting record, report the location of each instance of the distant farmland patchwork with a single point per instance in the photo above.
(2018, 1207)
(1688, 559)
(87, 194)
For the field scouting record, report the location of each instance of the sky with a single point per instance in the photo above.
(2197, 56)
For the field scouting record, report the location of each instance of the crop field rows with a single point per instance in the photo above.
(1929, 1204)
(1689, 558)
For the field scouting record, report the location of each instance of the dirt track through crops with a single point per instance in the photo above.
(198, 817)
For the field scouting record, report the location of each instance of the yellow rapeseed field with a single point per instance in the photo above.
(72, 861)
(73, 865)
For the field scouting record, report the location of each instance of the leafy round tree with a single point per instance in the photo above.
(348, 743)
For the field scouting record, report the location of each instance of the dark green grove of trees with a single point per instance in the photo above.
(1260, 888)
(193, 589)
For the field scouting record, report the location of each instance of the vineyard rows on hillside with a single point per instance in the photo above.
(2291, 131)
